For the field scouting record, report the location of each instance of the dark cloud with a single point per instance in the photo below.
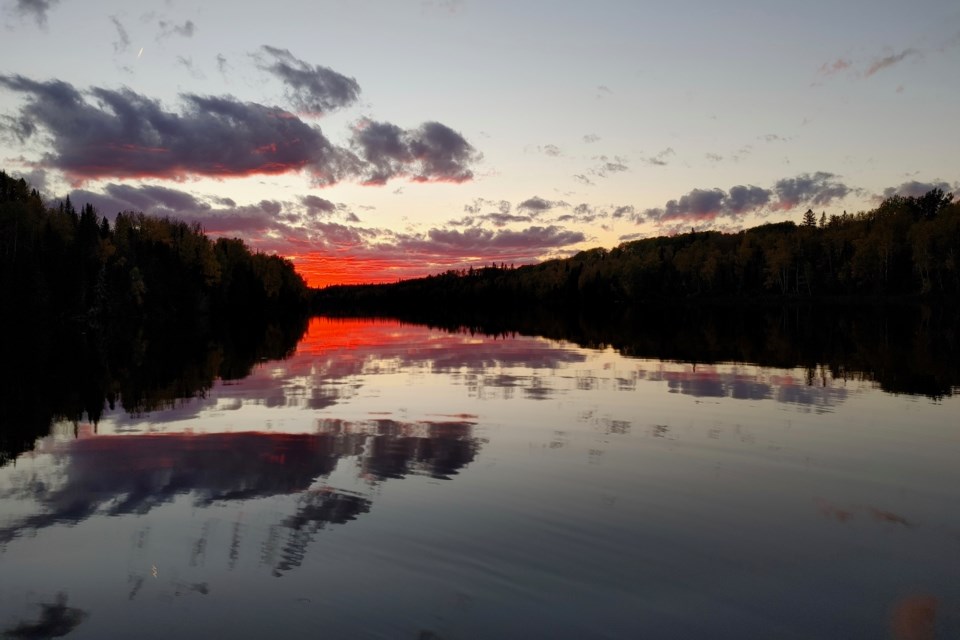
(714, 157)
(317, 205)
(889, 61)
(167, 29)
(122, 43)
(582, 179)
(536, 204)
(125, 134)
(479, 242)
(821, 188)
(699, 204)
(705, 205)
(626, 211)
(708, 204)
(268, 225)
(310, 88)
(590, 138)
(222, 64)
(431, 153)
(743, 199)
(36, 9)
(148, 197)
(915, 189)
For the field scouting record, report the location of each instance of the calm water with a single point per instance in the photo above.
(393, 481)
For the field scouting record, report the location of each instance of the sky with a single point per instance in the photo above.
(371, 140)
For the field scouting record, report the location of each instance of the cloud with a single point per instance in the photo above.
(536, 205)
(431, 153)
(889, 61)
(310, 88)
(915, 189)
(699, 204)
(222, 64)
(821, 188)
(502, 219)
(187, 63)
(714, 157)
(481, 203)
(551, 150)
(124, 134)
(626, 211)
(499, 218)
(582, 179)
(704, 205)
(168, 29)
(317, 206)
(608, 166)
(150, 199)
(383, 255)
(660, 160)
(708, 205)
(268, 225)
(122, 43)
(590, 138)
(480, 243)
(743, 199)
(36, 9)
(831, 68)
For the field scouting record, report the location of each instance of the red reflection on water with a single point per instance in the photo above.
(328, 334)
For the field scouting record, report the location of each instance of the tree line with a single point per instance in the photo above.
(75, 267)
(907, 246)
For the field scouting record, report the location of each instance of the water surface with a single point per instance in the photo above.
(394, 481)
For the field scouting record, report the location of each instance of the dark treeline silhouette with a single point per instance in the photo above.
(73, 267)
(907, 246)
(140, 312)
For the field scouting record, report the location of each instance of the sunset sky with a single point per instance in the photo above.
(369, 140)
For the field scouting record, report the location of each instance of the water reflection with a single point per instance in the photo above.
(389, 480)
(56, 620)
(115, 475)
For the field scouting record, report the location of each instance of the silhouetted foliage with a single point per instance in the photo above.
(73, 266)
(145, 311)
(907, 246)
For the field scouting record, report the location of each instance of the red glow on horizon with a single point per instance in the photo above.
(323, 270)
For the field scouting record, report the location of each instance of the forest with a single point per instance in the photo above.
(70, 267)
(143, 312)
(905, 247)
